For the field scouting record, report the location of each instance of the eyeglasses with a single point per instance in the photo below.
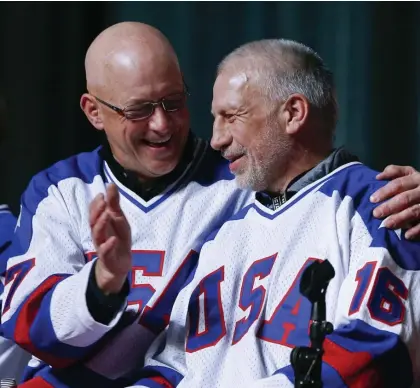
(144, 110)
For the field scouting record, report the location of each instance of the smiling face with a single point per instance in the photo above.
(152, 146)
(128, 66)
(247, 129)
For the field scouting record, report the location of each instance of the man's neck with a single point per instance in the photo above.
(336, 158)
(300, 161)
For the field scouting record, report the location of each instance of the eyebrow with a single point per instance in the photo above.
(137, 101)
(224, 110)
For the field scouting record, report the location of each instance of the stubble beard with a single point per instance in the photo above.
(259, 172)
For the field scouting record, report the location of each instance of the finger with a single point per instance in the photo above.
(113, 198)
(396, 186)
(413, 233)
(105, 249)
(392, 171)
(121, 227)
(397, 204)
(96, 208)
(100, 230)
(409, 217)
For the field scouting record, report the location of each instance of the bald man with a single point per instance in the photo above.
(111, 233)
(68, 295)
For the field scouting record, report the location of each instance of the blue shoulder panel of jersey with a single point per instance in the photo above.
(359, 182)
(85, 166)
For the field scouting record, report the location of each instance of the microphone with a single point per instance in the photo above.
(307, 361)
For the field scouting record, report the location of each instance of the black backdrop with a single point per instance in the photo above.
(373, 49)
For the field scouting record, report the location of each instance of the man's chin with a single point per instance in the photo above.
(242, 182)
(245, 182)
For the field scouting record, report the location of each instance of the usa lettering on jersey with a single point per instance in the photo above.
(44, 307)
(244, 312)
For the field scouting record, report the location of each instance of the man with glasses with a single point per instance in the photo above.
(139, 204)
(108, 234)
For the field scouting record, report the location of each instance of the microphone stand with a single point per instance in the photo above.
(307, 361)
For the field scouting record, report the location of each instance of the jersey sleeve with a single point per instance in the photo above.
(44, 304)
(378, 315)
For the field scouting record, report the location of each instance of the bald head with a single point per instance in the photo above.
(124, 54)
(129, 66)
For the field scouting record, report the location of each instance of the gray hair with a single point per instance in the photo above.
(284, 67)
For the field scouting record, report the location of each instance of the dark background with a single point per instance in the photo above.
(373, 49)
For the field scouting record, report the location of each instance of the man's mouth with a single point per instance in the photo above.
(234, 162)
(232, 158)
(158, 143)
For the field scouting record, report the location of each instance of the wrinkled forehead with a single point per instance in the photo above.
(142, 79)
(230, 90)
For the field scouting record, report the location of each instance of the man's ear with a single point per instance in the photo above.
(89, 106)
(296, 111)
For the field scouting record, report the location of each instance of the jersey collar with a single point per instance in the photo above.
(337, 158)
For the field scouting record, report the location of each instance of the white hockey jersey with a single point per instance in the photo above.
(244, 313)
(13, 359)
(52, 254)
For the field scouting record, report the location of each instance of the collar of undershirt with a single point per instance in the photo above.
(337, 158)
(148, 190)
